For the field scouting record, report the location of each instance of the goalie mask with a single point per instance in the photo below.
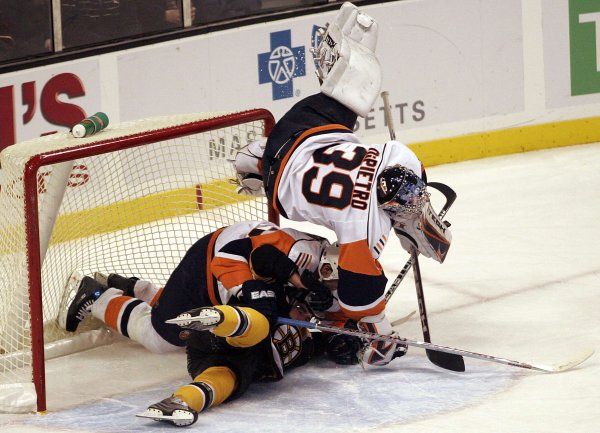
(400, 191)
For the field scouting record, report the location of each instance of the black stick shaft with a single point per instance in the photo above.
(420, 294)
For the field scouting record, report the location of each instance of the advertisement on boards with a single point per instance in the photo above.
(441, 60)
(571, 52)
(44, 100)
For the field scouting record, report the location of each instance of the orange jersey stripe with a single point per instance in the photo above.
(356, 257)
(298, 141)
(230, 272)
(114, 307)
(279, 239)
(156, 297)
(357, 315)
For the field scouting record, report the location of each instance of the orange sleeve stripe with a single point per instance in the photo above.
(356, 257)
(233, 279)
(230, 272)
(299, 140)
(156, 297)
(279, 239)
(210, 280)
(114, 307)
(338, 318)
(357, 315)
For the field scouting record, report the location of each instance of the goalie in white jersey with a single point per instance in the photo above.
(315, 169)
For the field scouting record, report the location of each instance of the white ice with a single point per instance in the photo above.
(521, 281)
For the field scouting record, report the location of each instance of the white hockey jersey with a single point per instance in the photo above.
(329, 178)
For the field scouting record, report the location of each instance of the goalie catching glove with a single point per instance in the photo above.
(248, 168)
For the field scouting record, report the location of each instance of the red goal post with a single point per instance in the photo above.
(130, 199)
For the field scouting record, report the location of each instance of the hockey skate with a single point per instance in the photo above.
(171, 410)
(199, 319)
(80, 293)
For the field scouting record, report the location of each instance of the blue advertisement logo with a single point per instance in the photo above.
(281, 65)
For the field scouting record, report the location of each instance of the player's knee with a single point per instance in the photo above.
(140, 329)
(242, 326)
(258, 329)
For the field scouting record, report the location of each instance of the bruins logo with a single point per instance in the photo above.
(288, 342)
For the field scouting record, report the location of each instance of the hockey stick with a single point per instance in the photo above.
(404, 319)
(556, 368)
(448, 361)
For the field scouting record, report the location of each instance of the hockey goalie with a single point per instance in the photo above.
(313, 168)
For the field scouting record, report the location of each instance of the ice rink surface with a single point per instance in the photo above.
(522, 281)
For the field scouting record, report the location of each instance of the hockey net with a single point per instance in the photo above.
(130, 199)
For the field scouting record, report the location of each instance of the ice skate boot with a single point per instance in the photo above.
(171, 410)
(81, 292)
(116, 281)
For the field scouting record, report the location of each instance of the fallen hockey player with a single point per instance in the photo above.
(245, 343)
(216, 270)
(313, 168)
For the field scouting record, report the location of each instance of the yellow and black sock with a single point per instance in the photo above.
(210, 388)
(242, 326)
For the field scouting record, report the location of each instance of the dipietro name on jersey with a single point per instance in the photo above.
(364, 180)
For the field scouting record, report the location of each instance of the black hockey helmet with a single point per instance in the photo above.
(399, 189)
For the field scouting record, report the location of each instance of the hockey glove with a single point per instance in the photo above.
(262, 297)
(344, 349)
(270, 264)
(319, 297)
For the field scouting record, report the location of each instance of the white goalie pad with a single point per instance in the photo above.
(347, 65)
(427, 233)
(247, 165)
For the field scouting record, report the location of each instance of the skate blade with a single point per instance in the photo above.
(69, 293)
(206, 318)
(179, 417)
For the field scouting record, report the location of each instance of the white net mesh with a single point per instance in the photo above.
(132, 211)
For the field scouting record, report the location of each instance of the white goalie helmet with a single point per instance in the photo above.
(328, 266)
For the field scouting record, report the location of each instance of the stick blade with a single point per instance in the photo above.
(581, 358)
(448, 361)
(404, 319)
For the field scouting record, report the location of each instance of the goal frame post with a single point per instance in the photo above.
(32, 228)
